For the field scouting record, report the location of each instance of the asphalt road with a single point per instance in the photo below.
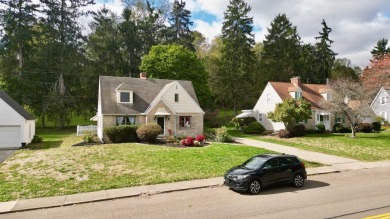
(4, 154)
(351, 194)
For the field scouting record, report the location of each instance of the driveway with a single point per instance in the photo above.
(4, 154)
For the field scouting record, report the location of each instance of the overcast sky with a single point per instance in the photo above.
(357, 24)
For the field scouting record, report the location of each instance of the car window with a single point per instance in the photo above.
(254, 163)
(286, 161)
(272, 163)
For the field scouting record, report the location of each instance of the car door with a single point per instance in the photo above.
(286, 171)
(270, 172)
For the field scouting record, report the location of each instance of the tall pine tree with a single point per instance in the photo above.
(180, 22)
(281, 51)
(324, 55)
(232, 83)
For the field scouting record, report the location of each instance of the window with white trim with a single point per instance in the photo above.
(260, 117)
(298, 95)
(339, 118)
(185, 121)
(383, 114)
(382, 100)
(176, 98)
(125, 96)
(125, 120)
(268, 98)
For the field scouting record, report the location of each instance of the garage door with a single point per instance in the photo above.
(9, 137)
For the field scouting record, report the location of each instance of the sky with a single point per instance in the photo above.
(357, 25)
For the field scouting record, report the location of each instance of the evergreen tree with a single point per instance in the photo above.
(281, 52)
(380, 49)
(324, 54)
(232, 83)
(179, 30)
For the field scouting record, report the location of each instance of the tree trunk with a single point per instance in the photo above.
(353, 134)
(43, 120)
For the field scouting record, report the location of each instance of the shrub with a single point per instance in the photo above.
(248, 120)
(337, 127)
(283, 133)
(200, 138)
(121, 134)
(189, 141)
(377, 126)
(88, 137)
(210, 134)
(320, 128)
(345, 130)
(36, 139)
(237, 123)
(222, 135)
(365, 127)
(171, 139)
(298, 130)
(254, 128)
(149, 132)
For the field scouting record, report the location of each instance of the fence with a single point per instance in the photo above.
(88, 128)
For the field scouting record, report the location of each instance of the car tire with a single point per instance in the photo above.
(298, 180)
(254, 187)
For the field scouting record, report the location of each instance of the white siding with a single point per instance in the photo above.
(8, 116)
(10, 137)
(262, 106)
(185, 104)
(99, 115)
(378, 107)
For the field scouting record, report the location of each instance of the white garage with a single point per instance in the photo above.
(17, 126)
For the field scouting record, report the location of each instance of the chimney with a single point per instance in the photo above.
(296, 81)
(143, 75)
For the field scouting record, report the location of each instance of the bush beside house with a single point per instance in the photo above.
(149, 132)
(122, 134)
(254, 128)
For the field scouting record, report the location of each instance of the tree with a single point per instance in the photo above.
(377, 74)
(200, 44)
(380, 49)
(281, 51)
(176, 62)
(324, 54)
(179, 30)
(290, 112)
(351, 99)
(342, 69)
(232, 83)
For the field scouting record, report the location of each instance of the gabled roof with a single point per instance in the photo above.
(145, 92)
(16, 106)
(310, 92)
(379, 92)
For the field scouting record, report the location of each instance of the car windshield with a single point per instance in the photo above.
(254, 163)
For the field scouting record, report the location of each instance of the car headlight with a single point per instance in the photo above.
(241, 177)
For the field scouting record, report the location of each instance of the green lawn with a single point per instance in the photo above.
(366, 147)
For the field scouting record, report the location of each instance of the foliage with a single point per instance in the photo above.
(321, 128)
(233, 81)
(200, 138)
(88, 137)
(179, 31)
(222, 135)
(380, 49)
(298, 130)
(122, 134)
(210, 134)
(283, 133)
(240, 123)
(188, 141)
(148, 132)
(351, 99)
(176, 62)
(36, 139)
(342, 69)
(337, 127)
(290, 111)
(254, 128)
(365, 127)
(379, 119)
(376, 126)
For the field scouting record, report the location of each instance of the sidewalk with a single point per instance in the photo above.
(336, 164)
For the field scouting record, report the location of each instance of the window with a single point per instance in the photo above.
(298, 95)
(125, 97)
(382, 100)
(260, 117)
(286, 161)
(268, 98)
(339, 118)
(272, 163)
(185, 121)
(176, 97)
(125, 120)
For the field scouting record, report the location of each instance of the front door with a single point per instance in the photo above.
(324, 119)
(161, 123)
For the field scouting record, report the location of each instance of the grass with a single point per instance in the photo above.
(366, 147)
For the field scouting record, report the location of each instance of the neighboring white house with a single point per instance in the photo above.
(17, 126)
(276, 92)
(381, 104)
(170, 103)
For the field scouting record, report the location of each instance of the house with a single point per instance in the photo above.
(381, 104)
(276, 92)
(170, 103)
(17, 126)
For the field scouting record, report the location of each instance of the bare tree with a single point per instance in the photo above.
(350, 99)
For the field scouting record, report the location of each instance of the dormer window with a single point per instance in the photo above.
(176, 98)
(298, 95)
(125, 96)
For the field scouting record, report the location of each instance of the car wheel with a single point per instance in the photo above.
(254, 187)
(298, 181)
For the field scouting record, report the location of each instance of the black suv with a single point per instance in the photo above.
(266, 169)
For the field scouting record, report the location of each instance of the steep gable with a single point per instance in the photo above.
(15, 106)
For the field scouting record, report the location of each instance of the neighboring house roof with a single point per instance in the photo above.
(16, 106)
(310, 92)
(145, 92)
